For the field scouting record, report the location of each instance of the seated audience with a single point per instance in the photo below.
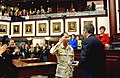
(16, 54)
(32, 51)
(45, 52)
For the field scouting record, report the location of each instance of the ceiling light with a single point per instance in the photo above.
(32, 2)
(24, 1)
(47, 0)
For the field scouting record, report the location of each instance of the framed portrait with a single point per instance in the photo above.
(72, 26)
(103, 21)
(29, 28)
(56, 27)
(4, 28)
(87, 21)
(42, 28)
(16, 29)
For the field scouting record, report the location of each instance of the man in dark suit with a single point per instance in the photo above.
(16, 29)
(28, 29)
(56, 27)
(92, 55)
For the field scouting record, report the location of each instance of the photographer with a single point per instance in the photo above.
(7, 69)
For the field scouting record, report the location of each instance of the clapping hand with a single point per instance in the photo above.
(3, 49)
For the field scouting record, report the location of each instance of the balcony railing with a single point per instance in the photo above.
(54, 15)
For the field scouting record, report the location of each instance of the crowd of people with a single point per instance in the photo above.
(92, 57)
(38, 51)
(26, 51)
(24, 12)
(41, 10)
(35, 11)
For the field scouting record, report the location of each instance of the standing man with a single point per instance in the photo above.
(92, 55)
(65, 57)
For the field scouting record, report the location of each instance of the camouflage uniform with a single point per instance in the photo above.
(65, 57)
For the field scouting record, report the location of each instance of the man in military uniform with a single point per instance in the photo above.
(65, 57)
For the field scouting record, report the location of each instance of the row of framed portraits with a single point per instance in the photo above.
(45, 28)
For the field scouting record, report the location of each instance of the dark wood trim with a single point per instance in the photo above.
(119, 12)
(79, 26)
(112, 15)
(64, 24)
(96, 25)
(10, 29)
(22, 29)
(35, 28)
(49, 25)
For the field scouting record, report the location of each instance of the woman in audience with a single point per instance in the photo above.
(79, 39)
(73, 41)
(104, 38)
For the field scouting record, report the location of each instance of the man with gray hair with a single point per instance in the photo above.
(92, 55)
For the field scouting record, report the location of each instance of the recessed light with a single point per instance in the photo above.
(32, 2)
(47, 0)
(24, 1)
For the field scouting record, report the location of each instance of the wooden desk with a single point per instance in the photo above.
(30, 60)
(31, 69)
(112, 63)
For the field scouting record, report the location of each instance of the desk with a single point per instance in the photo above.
(31, 69)
(30, 60)
(112, 63)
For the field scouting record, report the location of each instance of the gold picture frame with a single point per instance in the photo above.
(29, 28)
(72, 26)
(3, 29)
(16, 29)
(56, 27)
(87, 21)
(42, 28)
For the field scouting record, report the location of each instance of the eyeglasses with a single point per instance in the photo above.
(66, 37)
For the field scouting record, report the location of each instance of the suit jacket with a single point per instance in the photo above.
(16, 30)
(104, 39)
(42, 29)
(28, 30)
(56, 28)
(93, 56)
